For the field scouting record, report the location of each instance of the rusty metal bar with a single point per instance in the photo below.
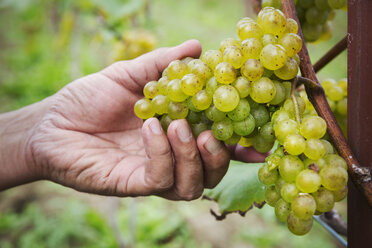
(359, 115)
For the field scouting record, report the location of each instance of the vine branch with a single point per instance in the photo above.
(360, 176)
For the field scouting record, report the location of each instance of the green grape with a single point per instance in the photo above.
(223, 130)
(165, 73)
(278, 116)
(340, 194)
(328, 146)
(186, 60)
(273, 160)
(273, 22)
(312, 32)
(308, 181)
(297, 58)
(292, 43)
(251, 48)
(289, 167)
(298, 226)
(151, 89)
(252, 69)
(320, 163)
(288, 86)
(279, 151)
(268, 39)
(280, 93)
(266, 176)
(211, 86)
(267, 73)
(342, 107)
(289, 191)
(201, 100)
(226, 98)
(234, 139)
(306, 3)
(200, 69)
(303, 206)
(271, 195)
(175, 92)
(165, 121)
(262, 145)
(273, 3)
(260, 114)
(241, 111)
(337, 4)
(198, 128)
(314, 15)
(177, 110)
(332, 104)
(212, 58)
(225, 73)
(328, 83)
(282, 210)
(291, 26)
(160, 104)
(263, 90)
(290, 108)
(294, 144)
(313, 127)
(143, 109)
(273, 57)
(288, 71)
(176, 69)
(243, 86)
(342, 83)
(193, 117)
(228, 43)
(234, 56)
(263, 12)
(250, 30)
(335, 160)
(214, 114)
(245, 126)
(314, 149)
(267, 132)
(279, 184)
(162, 85)
(324, 199)
(335, 93)
(284, 128)
(333, 177)
(191, 84)
(190, 105)
(243, 21)
(327, 31)
(322, 5)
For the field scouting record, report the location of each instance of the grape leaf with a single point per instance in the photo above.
(239, 189)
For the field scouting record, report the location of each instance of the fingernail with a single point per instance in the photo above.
(213, 146)
(155, 127)
(184, 133)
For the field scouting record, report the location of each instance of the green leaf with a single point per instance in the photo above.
(239, 189)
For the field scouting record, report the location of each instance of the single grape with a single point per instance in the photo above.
(191, 84)
(175, 92)
(315, 16)
(271, 3)
(284, 128)
(342, 107)
(333, 177)
(288, 71)
(186, 60)
(143, 109)
(263, 90)
(324, 199)
(289, 167)
(328, 146)
(294, 144)
(303, 206)
(165, 121)
(160, 104)
(266, 176)
(260, 114)
(273, 57)
(243, 86)
(193, 117)
(289, 191)
(314, 149)
(234, 56)
(290, 107)
(337, 4)
(320, 163)
(214, 114)
(282, 210)
(190, 105)
(292, 26)
(273, 22)
(335, 93)
(308, 181)
(225, 73)
(241, 111)
(198, 128)
(335, 160)
(278, 116)
(262, 145)
(212, 58)
(251, 48)
(267, 132)
(201, 100)
(279, 184)
(162, 85)
(151, 89)
(228, 43)
(234, 139)
(177, 110)
(211, 86)
(200, 69)
(342, 83)
(339, 195)
(223, 130)
(273, 160)
(292, 43)
(226, 98)
(268, 39)
(312, 32)
(271, 195)
(252, 69)
(176, 69)
(298, 226)
(280, 93)
(245, 126)
(313, 127)
(250, 30)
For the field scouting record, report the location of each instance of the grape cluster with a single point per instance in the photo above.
(315, 16)
(242, 92)
(134, 43)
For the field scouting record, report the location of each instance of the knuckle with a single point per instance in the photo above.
(189, 196)
(159, 184)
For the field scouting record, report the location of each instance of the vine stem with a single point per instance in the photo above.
(360, 176)
(294, 99)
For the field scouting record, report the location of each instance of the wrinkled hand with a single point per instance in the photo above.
(90, 139)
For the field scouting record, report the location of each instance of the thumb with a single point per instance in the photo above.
(137, 72)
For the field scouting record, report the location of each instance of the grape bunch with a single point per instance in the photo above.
(315, 16)
(134, 43)
(242, 92)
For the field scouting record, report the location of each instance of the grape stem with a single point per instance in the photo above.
(294, 99)
(360, 176)
(331, 54)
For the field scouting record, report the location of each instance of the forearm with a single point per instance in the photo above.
(16, 127)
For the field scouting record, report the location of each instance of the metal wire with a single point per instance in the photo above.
(331, 231)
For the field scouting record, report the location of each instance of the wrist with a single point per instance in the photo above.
(16, 128)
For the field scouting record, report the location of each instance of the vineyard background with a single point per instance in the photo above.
(47, 44)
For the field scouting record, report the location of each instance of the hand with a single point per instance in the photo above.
(89, 138)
